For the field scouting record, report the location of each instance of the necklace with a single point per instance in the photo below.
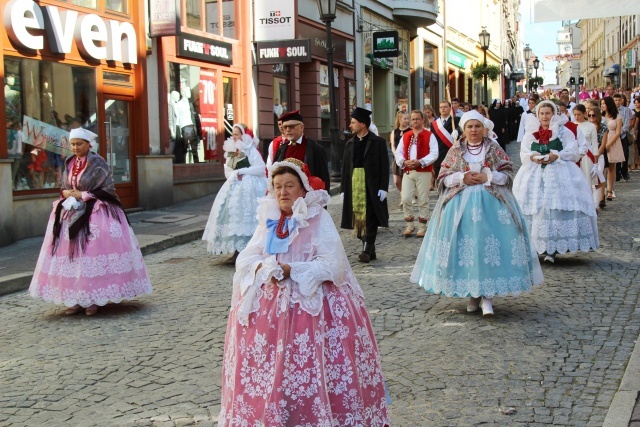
(280, 233)
(78, 166)
(474, 150)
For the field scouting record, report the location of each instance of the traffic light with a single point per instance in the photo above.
(572, 81)
(580, 81)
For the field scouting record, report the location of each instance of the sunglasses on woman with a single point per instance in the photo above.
(591, 115)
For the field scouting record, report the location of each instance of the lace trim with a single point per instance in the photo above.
(112, 293)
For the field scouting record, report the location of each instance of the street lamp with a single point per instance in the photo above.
(485, 38)
(536, 64)
(327, 9)
(527, 57)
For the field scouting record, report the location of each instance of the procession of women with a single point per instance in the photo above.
(300, 348)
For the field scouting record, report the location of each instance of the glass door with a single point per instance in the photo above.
(230, 102)
(118, 149)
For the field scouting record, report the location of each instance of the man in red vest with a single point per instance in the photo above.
(415, 155)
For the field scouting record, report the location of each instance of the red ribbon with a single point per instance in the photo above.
(543, 136)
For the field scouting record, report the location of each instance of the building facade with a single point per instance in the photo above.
(592, 51)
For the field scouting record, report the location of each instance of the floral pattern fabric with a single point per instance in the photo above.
(110, 269)
(300, 351)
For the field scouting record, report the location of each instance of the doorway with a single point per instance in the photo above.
(118, 150)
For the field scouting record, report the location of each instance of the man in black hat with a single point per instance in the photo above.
(296, 145)
(365, 181)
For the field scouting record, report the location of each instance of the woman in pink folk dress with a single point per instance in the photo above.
(90, 255)
(299, 350)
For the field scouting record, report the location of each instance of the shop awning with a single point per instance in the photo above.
(554, 10)
(614, 69)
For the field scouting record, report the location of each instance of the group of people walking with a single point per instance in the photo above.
(299, 347)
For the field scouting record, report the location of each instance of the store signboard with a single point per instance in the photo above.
(385, 44)
(203, 49)
(283, 51)
(274, 20)
(208, 112)
(164, 18)
(96, 38)
(456, 58)
(45, 136)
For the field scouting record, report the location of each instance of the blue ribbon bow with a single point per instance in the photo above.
(276, 245)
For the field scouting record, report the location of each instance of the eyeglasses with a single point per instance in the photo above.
(591, 115)
(289, 127)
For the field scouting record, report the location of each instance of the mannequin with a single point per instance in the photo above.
(174, 130)
(185, 121)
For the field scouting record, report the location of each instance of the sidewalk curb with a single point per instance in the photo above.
(621, 408)
(14, 283)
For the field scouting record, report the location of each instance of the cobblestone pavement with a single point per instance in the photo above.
(555, 355)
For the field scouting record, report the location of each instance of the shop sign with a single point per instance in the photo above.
(164, 16)
(385, 44)
(516, 76)
(319, 43)
(203, 49)
(631, 59)
(274, 20)
(283, 51)
(208, 112)
(45, 136)
(95, 38)
(456, 58)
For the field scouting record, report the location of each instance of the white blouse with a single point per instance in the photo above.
(475, 165)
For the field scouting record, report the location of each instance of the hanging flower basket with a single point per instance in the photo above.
(491, 71)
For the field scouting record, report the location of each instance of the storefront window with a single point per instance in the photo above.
(93, 4)
(44, 100)
(116, 5)
(194, 14)
(430, 54)
(228, 17)
(280, 93)
(401, 92)
(185, 128)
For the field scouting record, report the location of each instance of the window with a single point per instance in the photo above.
(44, 100)
(93, 4)
(280, 93)
(430, 54)
(194, 14)
(117, 5)
(401, 92)
(228, 17)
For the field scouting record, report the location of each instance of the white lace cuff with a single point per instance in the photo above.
(487, 172)
(306, 278)
(454, 180)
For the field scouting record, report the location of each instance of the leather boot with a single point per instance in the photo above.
(372, 254)
(365, 255)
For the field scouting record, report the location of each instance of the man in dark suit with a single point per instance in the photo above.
(365, 181)
(296, 145)
(443, 128)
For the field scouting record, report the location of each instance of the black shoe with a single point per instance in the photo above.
(368, 253)
(372, 254)
(602, 204)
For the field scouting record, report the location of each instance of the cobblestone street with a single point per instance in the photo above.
(555, 355)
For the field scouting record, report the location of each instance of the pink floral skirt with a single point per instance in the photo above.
(110, 269)
(290, 368)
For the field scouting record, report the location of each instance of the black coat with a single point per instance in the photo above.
(500, 125)
(315, 158)
(376, 174)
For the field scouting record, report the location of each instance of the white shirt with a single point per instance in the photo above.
(413, 153)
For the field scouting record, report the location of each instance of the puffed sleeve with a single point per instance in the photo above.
(569, 151)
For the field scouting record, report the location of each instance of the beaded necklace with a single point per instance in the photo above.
(474, 150)
(280, 233)
(78, 166)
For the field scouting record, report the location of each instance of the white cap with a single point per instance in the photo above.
(81, 133)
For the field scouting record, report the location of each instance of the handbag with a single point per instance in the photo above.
(615, 153)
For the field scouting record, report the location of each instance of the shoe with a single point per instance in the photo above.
(473, 305)
(609, 195)
(613, 194)
(365, 255)
(487, 306)
(91, 310)
(372, 254)
(421, 233)
(602, 204)
(232, 260)
(72, 310)
(408, 231)
(550, 258)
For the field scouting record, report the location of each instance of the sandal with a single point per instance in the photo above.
(609, 195)
(91, 310)
(70, 311)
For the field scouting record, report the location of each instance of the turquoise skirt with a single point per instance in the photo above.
(475, 247)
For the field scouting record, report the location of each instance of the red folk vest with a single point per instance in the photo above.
(422, 146)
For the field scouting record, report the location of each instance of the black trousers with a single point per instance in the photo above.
(372, 224)
(622, 169)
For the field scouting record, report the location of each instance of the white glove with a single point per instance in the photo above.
(382, 194)
(594, 170)
(70, 203)
(342, 197)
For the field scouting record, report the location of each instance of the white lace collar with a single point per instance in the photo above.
(304, 208)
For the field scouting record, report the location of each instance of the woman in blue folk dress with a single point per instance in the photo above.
(477, 244)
